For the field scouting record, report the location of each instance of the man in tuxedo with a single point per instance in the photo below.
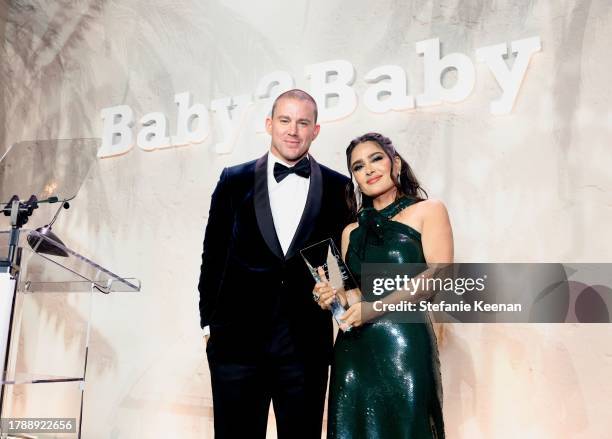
(269, 340)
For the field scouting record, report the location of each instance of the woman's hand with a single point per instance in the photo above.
(357, 314)
(351, 318)
(324, 294)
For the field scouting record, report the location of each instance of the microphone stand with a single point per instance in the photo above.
(19, 212)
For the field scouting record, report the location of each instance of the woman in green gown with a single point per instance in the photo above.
(385, 380)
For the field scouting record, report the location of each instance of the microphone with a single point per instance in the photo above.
(40, 245)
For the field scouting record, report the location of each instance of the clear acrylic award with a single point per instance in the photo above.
(325, 255)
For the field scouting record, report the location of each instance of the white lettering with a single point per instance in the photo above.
(321, 88)
(434, 67)
(230, 115)
(509, 80)
(153, 135)
(331, 86)
(268, 89)
(116, 131)
(377, 284)
(394, 89)
(497, 307)
(187, 116)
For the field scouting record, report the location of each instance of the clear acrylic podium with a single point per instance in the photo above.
(47, 290)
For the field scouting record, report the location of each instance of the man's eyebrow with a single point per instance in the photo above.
(284, 116)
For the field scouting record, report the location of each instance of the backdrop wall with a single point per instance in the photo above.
(530, 186)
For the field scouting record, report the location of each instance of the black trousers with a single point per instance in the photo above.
(242, 395)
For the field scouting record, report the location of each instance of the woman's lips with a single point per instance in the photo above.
(373, 179)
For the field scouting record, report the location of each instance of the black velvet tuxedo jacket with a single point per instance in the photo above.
(248, 287)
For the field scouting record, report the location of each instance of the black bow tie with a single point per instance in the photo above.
(301, 168)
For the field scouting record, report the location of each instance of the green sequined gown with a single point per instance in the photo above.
(385, 379)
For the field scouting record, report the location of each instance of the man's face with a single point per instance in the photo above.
(292, 128)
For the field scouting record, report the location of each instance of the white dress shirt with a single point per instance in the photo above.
(287, 201)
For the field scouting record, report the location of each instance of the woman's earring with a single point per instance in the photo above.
(358, 196)
(399, 179)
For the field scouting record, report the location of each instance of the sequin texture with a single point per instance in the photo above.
(385, 380)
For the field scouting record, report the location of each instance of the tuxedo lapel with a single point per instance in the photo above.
(263, 212)
(311, 209)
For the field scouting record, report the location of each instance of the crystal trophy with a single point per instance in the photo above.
(325, 255)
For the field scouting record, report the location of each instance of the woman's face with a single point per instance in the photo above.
(373, 168)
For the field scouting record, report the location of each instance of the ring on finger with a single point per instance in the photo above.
(316, 297)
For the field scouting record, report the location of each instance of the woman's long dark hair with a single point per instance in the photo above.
(408, 185)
